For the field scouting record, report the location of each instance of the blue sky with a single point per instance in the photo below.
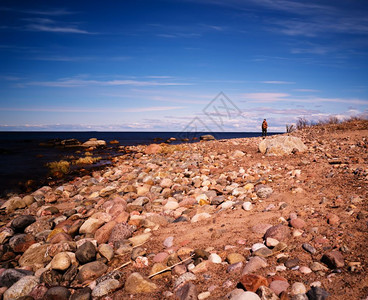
(161, 65)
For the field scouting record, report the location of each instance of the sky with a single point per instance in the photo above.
(180, 65)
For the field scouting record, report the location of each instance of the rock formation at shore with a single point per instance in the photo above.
(211, 220)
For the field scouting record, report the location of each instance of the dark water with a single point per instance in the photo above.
(24, 155)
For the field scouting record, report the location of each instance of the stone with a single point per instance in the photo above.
(105, 287)
(207, 137)
(305, 270)
(157, 267)
(21, 222)
(300, 297)
(271, 242)
(204, 295)
(39, 226)
(169, 242)
(234, 258)
(202, 267)
(298, 288)
(215, 258)
(94, 143)
(61, 261)
(21, 242)
(153, 149)
(252, 282)
(184, 278)
(317, 293)
(309, 248)
(137, 284)
(279, 286)
(86, 253)
(265, 293)
(261, 228)
(263, 252)
(82, 294)
(188, 291)
(57, 293)
(297, 223)
(281, 145)
(292, 262)
(5, 234)
(316, 266)
(106, 251)
(247, 205)
(333, 259)
(140, 239)
(278, 232)
(333, 219)
(264, 192)
(51, 277)
(239, 294)
(11, 276)
(21, 288)
(235, 268)
(120, 232)
(35, 255)
(38, 292)
(200, 217)
(103, 233)
(90, 226)
(160, 257)
(13, 204)
(255, 263)
(91, 271)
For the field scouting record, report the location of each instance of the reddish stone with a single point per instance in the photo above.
(153, 149)
(333, 219)
(333, 259)
(275, 277)
(279, 286)
(103, 233)
(297, 223)
(20, 243)
(60, 237)
(122, 217)
(278, 232)
(253, 282)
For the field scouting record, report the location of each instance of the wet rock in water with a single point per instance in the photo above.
(94, 143)
(11, 276)
(57, 293)
(105, 287)
(137, 284)
(278, 232)
(121, 232)
(207, 137)
(21, 222)
(187, 292)
(333, 259)
(82, 294)
(317, 293)
(21, 288)
(91, 271)
(281, 145)
(61, 261)
(252, 282)
(86, 253)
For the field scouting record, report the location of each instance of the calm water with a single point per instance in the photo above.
(23, 155)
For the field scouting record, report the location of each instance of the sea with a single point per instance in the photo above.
(24, 155)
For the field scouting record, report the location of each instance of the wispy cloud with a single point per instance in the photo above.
(60, 29)
(69, 83)
(53, 12)
(277, 82)
(306, 90)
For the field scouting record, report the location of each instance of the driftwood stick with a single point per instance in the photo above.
(169, 268)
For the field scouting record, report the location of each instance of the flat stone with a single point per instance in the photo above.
(35, 255)
(252, 282)
(234, 258)
(278, 232)
(200, 217)
(90, 226)
(309, 248)
(279, 286)
(57, 293)
(21, 242)
(261, 228)
(136, 284)
(292, 262)
(105, 287)
(263, 252)
(21, 288)
(255, 263)
(103, 233)
(140, 239)
(106, 251)
(91, 271)
(333, 259)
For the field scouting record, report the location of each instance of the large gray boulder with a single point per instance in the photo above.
(281, 145)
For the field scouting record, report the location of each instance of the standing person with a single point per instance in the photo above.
(264, 128)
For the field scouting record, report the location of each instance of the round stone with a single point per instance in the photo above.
(61, 261)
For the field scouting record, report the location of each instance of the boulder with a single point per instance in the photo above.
(207, 137)
(281, 145)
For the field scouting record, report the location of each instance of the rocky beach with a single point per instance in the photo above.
(280, 218)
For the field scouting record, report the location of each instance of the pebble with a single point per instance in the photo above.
(309, 248)
(21, 222)
(106, 251)
(169, 242)
(255, 263)
(298, 288)
(279, 286)
(61, 261)
(10, 276)
(234, 258)
(57, 293)
(86, 253)
(137, 284)
(214, 258)
(333, 259)
(278, 232)
(265, 293)
(91, 271)
(184, 278)
(317, 293)
(247, 206)
(105, 287)
(21, 288)
(187, 291)
(252, 282)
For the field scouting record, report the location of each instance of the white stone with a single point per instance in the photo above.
(298, 288)
(215, 258)
(247, 205)
(61, 261)
(227, 204)
(204, 295)
(200, 217)
(257, 246)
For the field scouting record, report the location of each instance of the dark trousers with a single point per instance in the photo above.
(264, 132)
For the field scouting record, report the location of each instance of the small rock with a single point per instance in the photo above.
(247, 205)
(140, 239)
(90, 226)
(264, 192)
(309, 248)
(120, 232)
(263, 252)
(291, 263)
(91, 271)
(21, 288)
(200, 217)
(333, 219)
(106, 251)
(333, 259)
(300, 297)
(11, 276)
(261, 228)
(234, 258)
(21, 242)
(316, 266)
(252, 282)
(271, 242)
(61, 261)
(265, 293)
(184, 278)
(105, 287)
(21, 222)
(297, 223)
(169, 242)
(204, 295)
(305, 270)
(82, 294)
(57, 293)
(298, 288)
(317, 293)
(188, 291)
(214, 258)
(136, 284)
(86, 253)
(279, 286)
(234, 268)
(254, 264)
(278, 232)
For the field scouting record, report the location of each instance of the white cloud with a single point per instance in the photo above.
(277, 82)
(60, 29)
